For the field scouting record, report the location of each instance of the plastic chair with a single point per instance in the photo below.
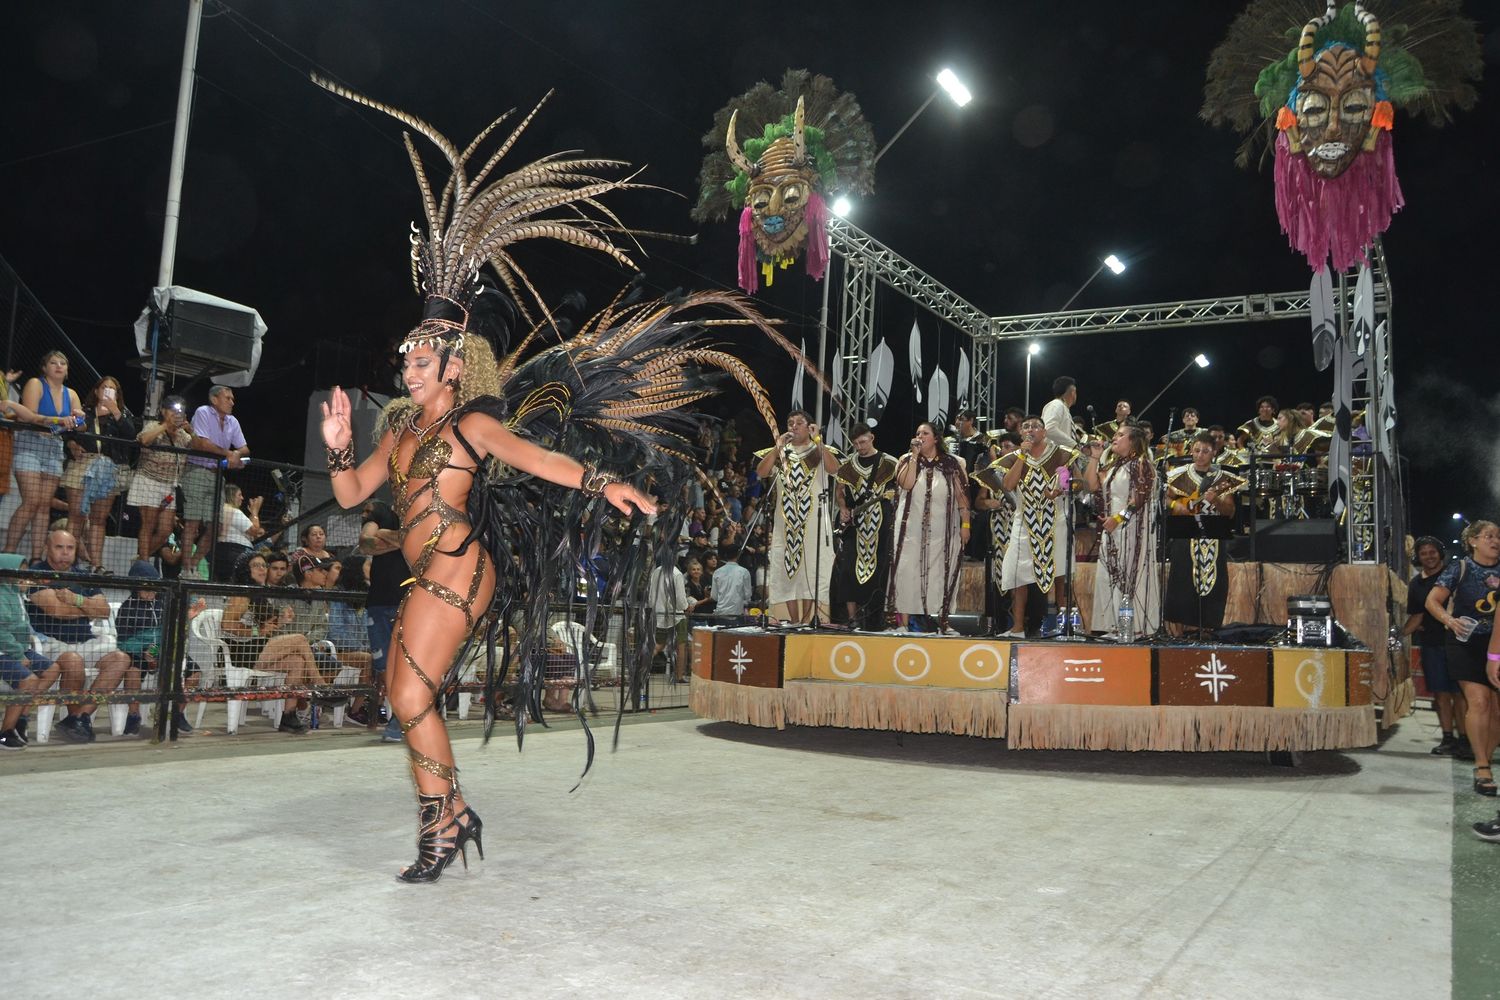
(206, 627)
(605, 656)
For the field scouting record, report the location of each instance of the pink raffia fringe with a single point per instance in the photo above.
(817, 236)
(1338, 217)
(749, 279)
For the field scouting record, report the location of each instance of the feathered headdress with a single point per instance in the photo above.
(807, 141)
(475, 223)
(1337, 190)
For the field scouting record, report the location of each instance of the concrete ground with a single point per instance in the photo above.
(712, 860)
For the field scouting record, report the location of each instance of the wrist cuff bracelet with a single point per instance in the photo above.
(1492, 657)
(593, 481)
(340, 459)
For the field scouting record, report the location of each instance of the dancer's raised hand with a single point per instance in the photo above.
(627, 499)
(338, 432)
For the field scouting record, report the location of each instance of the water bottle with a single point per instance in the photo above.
(1075, 621)
(1125, 618)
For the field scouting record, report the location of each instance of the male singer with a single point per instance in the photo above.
(802, 534)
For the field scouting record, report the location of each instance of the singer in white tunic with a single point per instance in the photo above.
(932, 527)
(801, 554)
(1128, 568)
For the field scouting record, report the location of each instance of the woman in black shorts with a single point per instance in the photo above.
(1471, 585)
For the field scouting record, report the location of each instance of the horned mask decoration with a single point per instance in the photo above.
(783, 209)
(1328, 107)
(803, 141)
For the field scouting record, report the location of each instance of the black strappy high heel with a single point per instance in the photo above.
(470, 826)
(436, 848)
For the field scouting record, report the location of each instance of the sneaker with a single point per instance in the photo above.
(181, 722)
(132, 724)
(291, 724)
(10, 740)
(358, 716)
(87, 722)
(1488, 831)
(72, 729)
(1445, 746)
(20, 730)
(391, 733)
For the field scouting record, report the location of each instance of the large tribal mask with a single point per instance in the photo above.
(1328, 107)
(782, 198)
(805, 141)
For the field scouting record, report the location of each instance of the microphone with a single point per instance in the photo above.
(1090, 408)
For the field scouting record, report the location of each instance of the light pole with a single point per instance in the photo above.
(1032, 350)
(1115, 264)
(947, 82)
(1201, 360)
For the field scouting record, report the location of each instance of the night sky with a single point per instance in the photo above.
(1083, 139)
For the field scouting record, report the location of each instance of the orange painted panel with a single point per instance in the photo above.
(1083, 675)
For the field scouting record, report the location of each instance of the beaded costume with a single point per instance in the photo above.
(495, 541)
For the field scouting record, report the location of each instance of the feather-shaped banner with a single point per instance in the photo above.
(914, 355)
(937, 401)
(797, 379)
(1364, 312)
(962, 388)
(1324, 324)
(878, 383)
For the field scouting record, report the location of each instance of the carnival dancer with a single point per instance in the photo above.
(1038, 547)
(931, 527)
(801, 535)
(1127, 583)
(863, 566)
(486, 532)
(1198, 580)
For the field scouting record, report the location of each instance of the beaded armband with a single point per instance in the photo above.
(340, 459)
(594, 481)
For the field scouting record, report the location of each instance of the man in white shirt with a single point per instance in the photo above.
(667, 592)
(732, 587)
(1057, 416)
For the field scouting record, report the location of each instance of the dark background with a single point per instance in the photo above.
(1083, 139)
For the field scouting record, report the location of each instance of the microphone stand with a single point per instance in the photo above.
(816, 621)
(1070, 597)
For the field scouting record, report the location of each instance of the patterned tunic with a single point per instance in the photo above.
(801, 557)
(1039, 532)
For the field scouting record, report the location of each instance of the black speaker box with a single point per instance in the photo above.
(215, 338)
(1314, 540)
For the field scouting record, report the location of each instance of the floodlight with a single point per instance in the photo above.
(1202, 360)
(955, 89)
(1115, 264)
(842, 206)
(1035, 348)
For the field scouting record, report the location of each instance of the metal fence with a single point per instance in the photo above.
(199, 606)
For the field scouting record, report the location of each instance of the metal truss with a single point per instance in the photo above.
(867, 261)
(1159, 316)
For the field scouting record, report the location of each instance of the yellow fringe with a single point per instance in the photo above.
(1091, 727)
(1398, 704)
(853, 706)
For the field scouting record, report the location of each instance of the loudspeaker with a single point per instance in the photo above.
(212, 338)
(1313, 540)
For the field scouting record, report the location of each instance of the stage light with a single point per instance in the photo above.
(956, 90)
(842, 206)
(1035, 348)
(1202, 360)
(1458, 517)
(1115, 264)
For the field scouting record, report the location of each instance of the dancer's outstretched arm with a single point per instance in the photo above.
(351, 487)
(492, 438)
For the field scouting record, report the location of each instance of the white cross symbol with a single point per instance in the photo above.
(1213, 676)
(740, 660)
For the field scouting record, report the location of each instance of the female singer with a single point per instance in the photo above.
(932, 527)
(1128, 574)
